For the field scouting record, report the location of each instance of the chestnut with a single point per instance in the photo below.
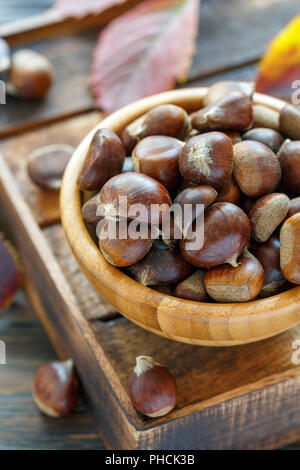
(157, 156)
(105, 159)
(207, 159)
(263, 116)
(167, 119)
(289, 121)
(46, 165)
(30, 76)
(235, 284)
(267, 214)
(55, 388)
(271, 138)
(89, 210)
(234, 136)
(204, 195)
(230, 192)
(161, 266)
(152, 388)
(256, 168)
(4, 57)
(227, 231)
(222, 88)
(231, 112)
(290, 249)
(289, 158)
(268, 253)
(294, 207)
(122, 252)
(192, 288)
(137, 189)
(10, 272)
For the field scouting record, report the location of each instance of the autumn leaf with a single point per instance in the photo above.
(280, 67)
(81, 8)
(144, 51)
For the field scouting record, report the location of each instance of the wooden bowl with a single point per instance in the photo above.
(208, 324)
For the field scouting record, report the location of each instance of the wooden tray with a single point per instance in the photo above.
(243, 397)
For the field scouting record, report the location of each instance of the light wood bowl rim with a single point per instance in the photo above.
(230, 324)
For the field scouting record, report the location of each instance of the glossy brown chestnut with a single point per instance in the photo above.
(207, 159)
(271, 138)
(167, 119)
(55, 388)
(138, 189)
(220, 89)
(268, 254)
(290, 249)
(46, 165)
(30, 75)
(161, 266)
(230, 192)
(105, 159)
(192, 288)
(289, 158)
(227, 231)
(256, 168)
(289, 121)
(204, 195)
(152, 388)
(231, 112)
(157, 156)
(267, 214)
(122, 252)
(240, 284)
(89, 210)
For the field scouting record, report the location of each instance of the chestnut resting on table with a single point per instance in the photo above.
(240, 178)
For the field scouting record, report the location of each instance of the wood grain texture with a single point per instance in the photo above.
(22, 426)
(192, 322)
(231, 34)
(52, 23)
(16, 150)
(89, 301)
(254, 412)
(234, 33)
(69, 94)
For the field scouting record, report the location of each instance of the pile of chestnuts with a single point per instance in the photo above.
(240, 161)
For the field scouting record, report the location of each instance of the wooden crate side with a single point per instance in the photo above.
(63, 319)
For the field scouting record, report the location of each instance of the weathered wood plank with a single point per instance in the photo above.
(90, 303)
(234, 33)
(231, 34)
(16, 150)
(22, 426)
(202, 373)
(69, 95)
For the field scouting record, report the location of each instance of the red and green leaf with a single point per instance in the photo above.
(280, 67)
(144, 52)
